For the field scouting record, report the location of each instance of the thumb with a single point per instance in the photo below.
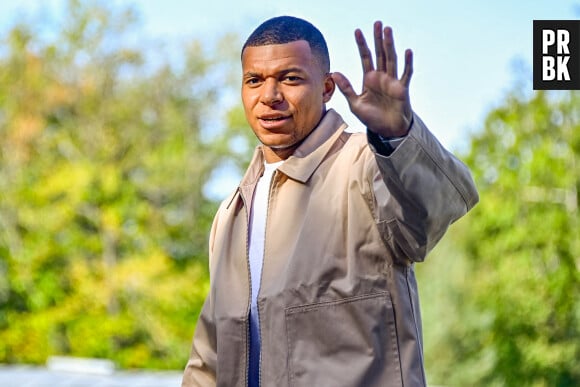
(344, 85)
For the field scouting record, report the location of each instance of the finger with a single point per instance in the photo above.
(391, 55)
(344, 86)
(365, 53)
(408, 71)
(379, 48)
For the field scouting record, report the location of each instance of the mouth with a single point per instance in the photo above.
(273, 121)
(273, 118)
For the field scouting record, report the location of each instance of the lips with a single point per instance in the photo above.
(272, 121)
(273, 117)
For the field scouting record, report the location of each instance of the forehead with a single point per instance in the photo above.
(278, 57)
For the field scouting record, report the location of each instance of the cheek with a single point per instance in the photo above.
(312, 106)
(249, 100)
(248, 111)
(306, 102)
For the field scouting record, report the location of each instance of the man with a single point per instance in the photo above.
(311, 258)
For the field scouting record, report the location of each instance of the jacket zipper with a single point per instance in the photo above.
(250, 287)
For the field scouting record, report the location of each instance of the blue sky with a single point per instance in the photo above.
(465, 51)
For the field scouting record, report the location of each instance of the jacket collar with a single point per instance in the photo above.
(307, 157)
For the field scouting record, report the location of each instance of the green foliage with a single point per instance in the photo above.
(515, 287)
(105, 150)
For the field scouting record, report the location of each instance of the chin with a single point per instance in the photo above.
(281, 147)
(279, 144)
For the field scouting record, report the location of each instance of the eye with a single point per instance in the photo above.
(252, 81)
(292, 79)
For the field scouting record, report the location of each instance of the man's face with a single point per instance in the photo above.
(284, 89)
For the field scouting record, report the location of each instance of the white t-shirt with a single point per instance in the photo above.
(258, 217)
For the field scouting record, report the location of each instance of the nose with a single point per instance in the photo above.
(271, 94)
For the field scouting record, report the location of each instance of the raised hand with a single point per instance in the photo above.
(383, 105)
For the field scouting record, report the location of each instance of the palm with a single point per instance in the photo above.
(383, 105)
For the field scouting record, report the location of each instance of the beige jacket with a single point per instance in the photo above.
(338, 303)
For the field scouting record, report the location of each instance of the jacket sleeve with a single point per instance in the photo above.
(420, 189)
(200, 370)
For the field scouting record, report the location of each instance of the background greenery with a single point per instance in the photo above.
(502, 290)
(106, 147)
(108, 142)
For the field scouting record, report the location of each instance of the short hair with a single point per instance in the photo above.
(287, 29)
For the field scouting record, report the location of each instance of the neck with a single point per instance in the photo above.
(275, 155)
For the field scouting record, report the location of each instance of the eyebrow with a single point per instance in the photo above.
(251, 74)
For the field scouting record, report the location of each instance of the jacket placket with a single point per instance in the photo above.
(273, 181)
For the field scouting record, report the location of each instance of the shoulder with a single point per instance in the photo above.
(356, 145)
(352, 156)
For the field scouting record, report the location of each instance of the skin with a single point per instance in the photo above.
(285, 89)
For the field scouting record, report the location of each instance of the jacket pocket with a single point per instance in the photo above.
(348, 342)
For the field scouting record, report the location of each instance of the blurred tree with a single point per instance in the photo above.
(105, 148)
(515, 315)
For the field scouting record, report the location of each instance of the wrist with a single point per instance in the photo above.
(394, 136)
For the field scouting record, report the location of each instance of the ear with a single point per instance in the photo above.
(329, 87)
